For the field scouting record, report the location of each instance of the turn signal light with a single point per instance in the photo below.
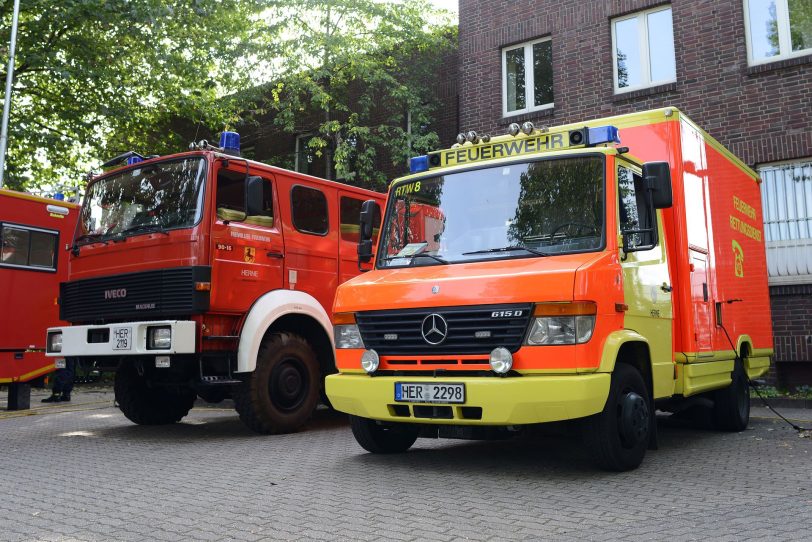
(202, 286)
(343, 318)
(565, 309)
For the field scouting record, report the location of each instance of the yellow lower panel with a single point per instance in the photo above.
(700, 377)
(504, 401)
(757, 366)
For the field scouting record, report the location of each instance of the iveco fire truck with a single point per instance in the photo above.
(33, 261)
(592, 272)
(206, 274)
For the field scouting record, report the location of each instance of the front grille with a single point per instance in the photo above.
(162, 293)
(399, 332)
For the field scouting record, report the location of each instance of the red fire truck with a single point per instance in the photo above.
(32, 230)
(206, 274)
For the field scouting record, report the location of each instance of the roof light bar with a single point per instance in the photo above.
(602, 134)
(418, 163)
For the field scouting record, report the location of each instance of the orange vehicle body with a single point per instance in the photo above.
(32, 264)
(705, 280)
(218, 282)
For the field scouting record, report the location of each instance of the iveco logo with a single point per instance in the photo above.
(115, 294)
(434, 328)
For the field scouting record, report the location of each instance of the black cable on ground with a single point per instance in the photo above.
(753, 385)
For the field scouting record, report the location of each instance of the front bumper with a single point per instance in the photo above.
(504, 401)
(76, 340)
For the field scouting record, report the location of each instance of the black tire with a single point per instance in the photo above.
(282, 392)
(611, 445)
(383, 438)
(731, 405)
(147, 405)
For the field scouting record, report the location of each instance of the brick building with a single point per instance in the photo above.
(741, 68)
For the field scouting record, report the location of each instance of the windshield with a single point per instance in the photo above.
(529, 209)
(157, 197)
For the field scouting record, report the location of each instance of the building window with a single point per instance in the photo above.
(643, 50)
(786, 193)
(527, 77)
(305, 157)
(22, 246)
(777, 29)
(309, 210)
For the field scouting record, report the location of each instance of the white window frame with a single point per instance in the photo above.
(784, 36)
(529, 79)
(642, 17)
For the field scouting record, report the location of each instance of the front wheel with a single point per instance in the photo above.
(282, 392)
(617, 437)
(150, 405)
(383, 438)
(731, 405)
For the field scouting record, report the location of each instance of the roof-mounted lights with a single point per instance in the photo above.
(460, 138)
(527, 127)
(602, 134)
(514, 129)
(134, 160)
(230, 143)
(418, 163)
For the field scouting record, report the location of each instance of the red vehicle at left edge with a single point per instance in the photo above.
(32, 265)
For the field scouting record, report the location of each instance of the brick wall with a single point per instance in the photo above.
(762, 113)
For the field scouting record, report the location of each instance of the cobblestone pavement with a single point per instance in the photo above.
(83, 472)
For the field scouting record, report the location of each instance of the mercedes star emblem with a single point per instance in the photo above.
(434, 328)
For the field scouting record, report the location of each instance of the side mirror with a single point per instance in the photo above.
(657, 176)
(254, 190)
(367, 218)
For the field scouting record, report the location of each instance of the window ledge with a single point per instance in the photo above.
(530, 115)
(659, 89)
(779, 64)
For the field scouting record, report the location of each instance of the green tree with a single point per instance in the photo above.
(359, 66)
(98, 77)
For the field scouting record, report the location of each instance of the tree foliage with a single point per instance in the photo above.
(354, 68)
(97, 77)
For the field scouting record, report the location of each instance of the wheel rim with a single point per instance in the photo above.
(289, 385)
(633, 419)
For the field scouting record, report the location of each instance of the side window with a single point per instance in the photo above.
(231, 199)
(637, 216)
(309, 210)
(28, 247)
(351, 219)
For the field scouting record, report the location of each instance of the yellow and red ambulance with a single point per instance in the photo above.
(593, 272)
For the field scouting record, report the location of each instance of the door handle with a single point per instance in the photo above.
(272, 254)
(666, 287)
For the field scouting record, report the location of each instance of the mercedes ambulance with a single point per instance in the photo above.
(592, 272)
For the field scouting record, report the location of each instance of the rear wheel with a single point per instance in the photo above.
(150, 405)
(282, 392)
(731, 405)
(383, 438)
(617, 438)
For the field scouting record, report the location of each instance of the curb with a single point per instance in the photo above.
(783, 402)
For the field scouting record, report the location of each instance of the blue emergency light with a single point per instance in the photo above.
(418, 163)
(230, 143)
(134, 160)
(602, 134)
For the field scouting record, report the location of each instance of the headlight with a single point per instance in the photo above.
(348, 336)
(562, 323)
(159, 338)
(55, 341)
(370, 361)
(501, 360)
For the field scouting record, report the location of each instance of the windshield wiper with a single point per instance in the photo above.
(157, 228)
(95, 237)
(413, 256)
(425, 255)
(507, 249)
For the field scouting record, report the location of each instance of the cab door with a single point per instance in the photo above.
(248, 251)
(646, 279)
